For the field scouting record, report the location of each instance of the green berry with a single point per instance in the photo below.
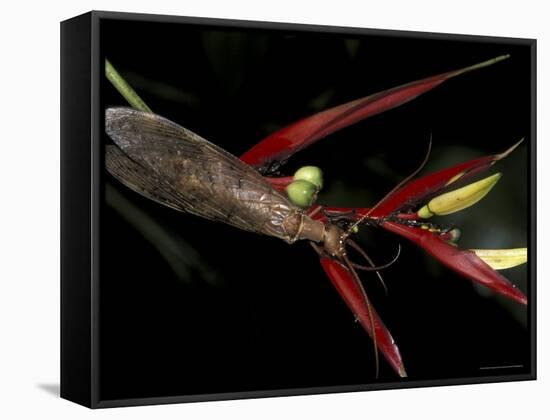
(302, 193)
(311, 174)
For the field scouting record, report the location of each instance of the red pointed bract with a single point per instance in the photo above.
(346, 286)
(416, 190)
(282, 144)
(463, 261)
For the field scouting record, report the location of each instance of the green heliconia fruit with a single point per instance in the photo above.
(311, 174)
(302, 193)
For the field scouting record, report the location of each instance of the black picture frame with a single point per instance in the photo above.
(82, 161)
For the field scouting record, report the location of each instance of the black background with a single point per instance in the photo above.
(232, 311)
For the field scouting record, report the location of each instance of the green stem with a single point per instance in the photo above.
(124, 88)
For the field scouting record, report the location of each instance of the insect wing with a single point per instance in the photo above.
(141, 179)
(188, 173)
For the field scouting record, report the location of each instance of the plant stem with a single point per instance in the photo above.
(124, 88)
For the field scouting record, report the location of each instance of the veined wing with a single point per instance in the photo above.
(177, 168)
(141, 180)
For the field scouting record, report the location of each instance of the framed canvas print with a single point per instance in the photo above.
(258, 209)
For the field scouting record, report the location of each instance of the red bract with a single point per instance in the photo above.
(352, 294)
(416, 190)
(282, 144)
(463, 261)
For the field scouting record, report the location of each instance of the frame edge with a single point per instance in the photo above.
(76, 270)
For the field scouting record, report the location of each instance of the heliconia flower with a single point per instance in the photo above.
(404, 212)
(397, 213)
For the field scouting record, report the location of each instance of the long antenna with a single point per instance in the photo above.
(373, 267)
(371, 263)
(369, 308)
(394, 189)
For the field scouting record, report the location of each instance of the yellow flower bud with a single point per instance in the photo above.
(460, 199)
(500, 259)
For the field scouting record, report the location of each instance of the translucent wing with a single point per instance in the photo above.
(175, 167)
(141, 179)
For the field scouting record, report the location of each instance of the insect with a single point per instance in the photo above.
(179, 169)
